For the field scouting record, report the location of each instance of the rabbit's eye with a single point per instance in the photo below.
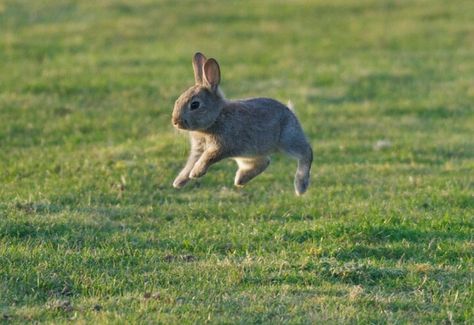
(194, 105)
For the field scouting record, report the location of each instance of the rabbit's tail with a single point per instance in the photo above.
(290, 105)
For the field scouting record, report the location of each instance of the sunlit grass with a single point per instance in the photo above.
(91, 229)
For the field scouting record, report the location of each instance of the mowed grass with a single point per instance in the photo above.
(91, 229)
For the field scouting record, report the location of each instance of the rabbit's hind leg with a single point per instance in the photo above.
(249, 168)
(304, 154)
(293, 142)
(303, 171)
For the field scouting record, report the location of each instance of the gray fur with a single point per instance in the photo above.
(246, 130)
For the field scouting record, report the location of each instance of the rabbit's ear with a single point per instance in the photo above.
(212, 74)
(198, 63)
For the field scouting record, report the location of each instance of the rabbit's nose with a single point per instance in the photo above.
(180, 123)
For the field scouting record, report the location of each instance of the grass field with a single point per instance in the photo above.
(91, 229)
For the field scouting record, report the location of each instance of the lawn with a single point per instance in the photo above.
(91, 229)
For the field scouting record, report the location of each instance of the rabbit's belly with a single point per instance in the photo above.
(243, 162)
(247, 163)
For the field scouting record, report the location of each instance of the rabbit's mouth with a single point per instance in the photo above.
(181, 124)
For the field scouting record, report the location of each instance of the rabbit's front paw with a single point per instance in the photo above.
(179, 182)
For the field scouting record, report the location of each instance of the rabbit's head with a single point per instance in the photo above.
(199, 106)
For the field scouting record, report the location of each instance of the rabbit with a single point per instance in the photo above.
(246, 130)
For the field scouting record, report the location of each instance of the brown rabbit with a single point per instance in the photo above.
(245, 130)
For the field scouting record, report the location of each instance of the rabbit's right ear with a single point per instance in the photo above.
(198, 62)
(212, 74)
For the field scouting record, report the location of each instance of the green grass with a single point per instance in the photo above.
(92, 231)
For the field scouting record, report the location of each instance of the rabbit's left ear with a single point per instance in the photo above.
(212, 74)
(198, 63)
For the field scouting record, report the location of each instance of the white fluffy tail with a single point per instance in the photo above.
(290, 105)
